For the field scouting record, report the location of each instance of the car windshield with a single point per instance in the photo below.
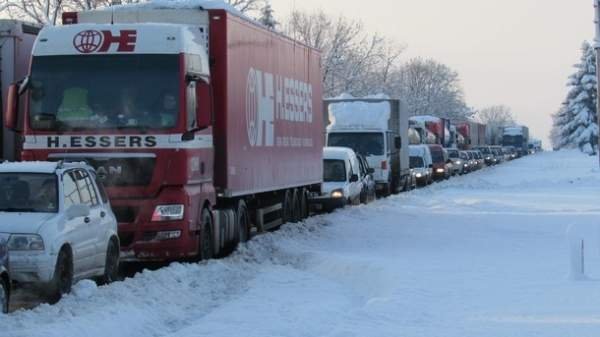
(453, 153)
(463, 155)
(104, 91)
(437, 156)
(416, 162)
(28, 192)
(334, 170)
(484, 150)
(367, 144)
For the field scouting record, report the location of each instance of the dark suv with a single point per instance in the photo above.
(4, 278)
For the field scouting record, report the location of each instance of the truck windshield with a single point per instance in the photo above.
(70, 93)
(28, 192)
(334, 170)
(516, 141)
(416, 162)
(367, 144)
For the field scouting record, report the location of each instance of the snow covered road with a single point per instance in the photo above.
(480, 255)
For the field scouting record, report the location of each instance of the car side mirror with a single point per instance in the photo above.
(430, 165)
(354, 178)
(78, 211)
(398, 142)
(371, 170)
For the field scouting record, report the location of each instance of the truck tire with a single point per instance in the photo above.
(4, 296)
(304, 205)
(63, 276)
(242, 222)
(286, 210)
(111, 266)
(206, 249)
(296, 206)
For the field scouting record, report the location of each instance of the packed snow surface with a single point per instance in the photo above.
(484, 254)
(359, 114)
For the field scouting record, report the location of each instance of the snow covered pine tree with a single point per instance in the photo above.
(578, 121)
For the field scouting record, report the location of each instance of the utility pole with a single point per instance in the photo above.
(597, 48)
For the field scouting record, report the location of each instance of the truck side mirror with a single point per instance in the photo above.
(12, 107)
(371, 170)
(204, 105)
(354, 178)
(398, 142)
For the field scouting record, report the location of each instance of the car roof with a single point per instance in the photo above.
(40, 166)
(334, 152)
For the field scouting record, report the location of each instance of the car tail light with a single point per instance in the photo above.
(384, 165)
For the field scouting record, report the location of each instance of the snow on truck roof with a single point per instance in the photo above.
(361, 114)
(177, 4)
(425, 118)
(513, 131)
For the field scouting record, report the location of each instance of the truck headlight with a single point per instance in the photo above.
(168, 213)
(25, 242)
(337, 194)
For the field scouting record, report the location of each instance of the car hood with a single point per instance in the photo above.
(328, 187)
(15, 222)
(421, 170)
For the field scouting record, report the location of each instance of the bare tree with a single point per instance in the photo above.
(43, 12)
(500, 115)
(247, 6)
(353, 61)
(431, 88)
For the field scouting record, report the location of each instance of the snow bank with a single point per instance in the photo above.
(178, 4)
(359, 114)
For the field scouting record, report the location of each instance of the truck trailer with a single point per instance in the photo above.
(377, 128)
(473, 134)
(204, 126)
(16, 42)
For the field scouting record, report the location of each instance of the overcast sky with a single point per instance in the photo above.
(513, 52)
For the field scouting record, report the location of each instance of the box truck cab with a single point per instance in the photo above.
(377, 128)
(203, 125)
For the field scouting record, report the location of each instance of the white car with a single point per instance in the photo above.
(420, 160)
(58, 224)
(341, 184)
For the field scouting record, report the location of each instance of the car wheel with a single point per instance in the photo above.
(111, 266)
(207, 249)
(63, 276)
(4, 294)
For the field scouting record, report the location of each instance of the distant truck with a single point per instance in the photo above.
(518, 137)
(16, 42)
(204, 126)
(377, 128)
(472, 134)
(441, 129)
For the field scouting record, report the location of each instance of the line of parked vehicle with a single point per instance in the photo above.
(348, 178)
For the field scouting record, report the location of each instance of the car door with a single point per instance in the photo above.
(94, 222)
(76, 230)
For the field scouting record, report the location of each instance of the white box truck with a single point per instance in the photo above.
(377, 128)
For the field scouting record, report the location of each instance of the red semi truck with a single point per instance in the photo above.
(16, 42)
(204, 126)
(473, 134)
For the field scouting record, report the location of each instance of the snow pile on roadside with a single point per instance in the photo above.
(177, 4)
(359, 114)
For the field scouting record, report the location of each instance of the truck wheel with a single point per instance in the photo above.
(207, 250)
(63, 276)
(304, 207)
(4, 294)
(286, 211)
(296, 206)
(111, 266)
(242, 222)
